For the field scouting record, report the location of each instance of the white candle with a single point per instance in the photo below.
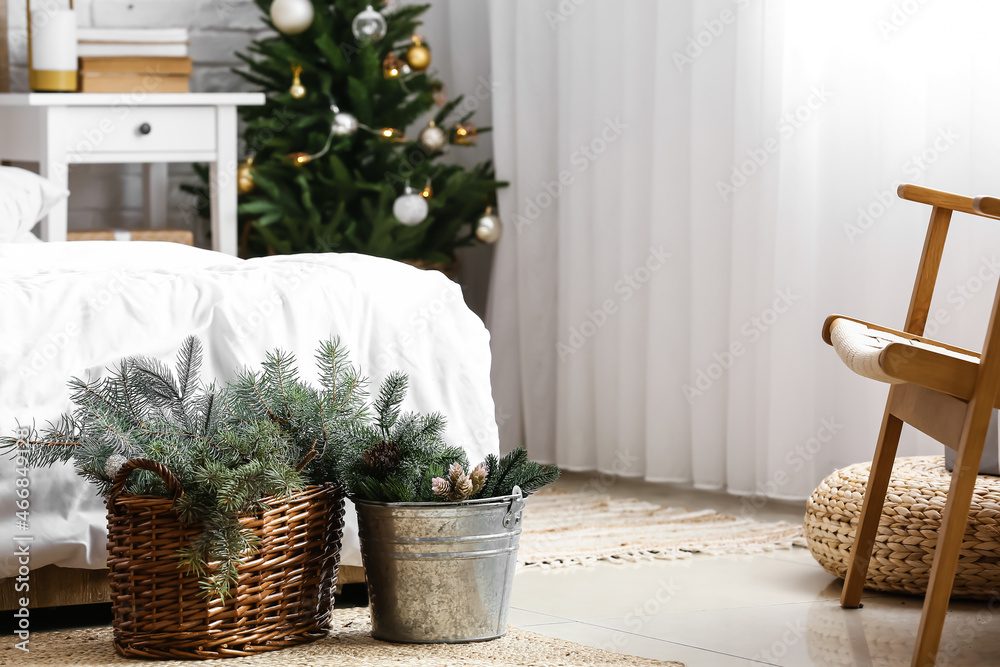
(53, 40)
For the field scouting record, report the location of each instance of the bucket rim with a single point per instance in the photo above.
(439, 504)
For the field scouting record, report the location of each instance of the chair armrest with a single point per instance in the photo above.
(831, 322)
(987, 207)
(918, 193)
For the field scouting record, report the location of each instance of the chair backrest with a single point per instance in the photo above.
(943, 203)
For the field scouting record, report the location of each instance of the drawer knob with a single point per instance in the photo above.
(145, 128)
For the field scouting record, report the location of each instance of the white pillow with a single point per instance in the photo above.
(25, 198)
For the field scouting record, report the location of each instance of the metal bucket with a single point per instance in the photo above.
(440, 572)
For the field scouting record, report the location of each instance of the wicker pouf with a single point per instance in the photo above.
(907, 533)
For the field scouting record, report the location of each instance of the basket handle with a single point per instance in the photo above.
(121, 477)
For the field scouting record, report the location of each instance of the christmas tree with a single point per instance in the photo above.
(332, 163)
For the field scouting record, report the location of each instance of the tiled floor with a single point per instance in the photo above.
(779, 608)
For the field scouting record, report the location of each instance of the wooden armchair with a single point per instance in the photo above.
(944, 391)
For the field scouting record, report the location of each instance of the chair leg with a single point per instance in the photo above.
(947, 550)
(871, 508)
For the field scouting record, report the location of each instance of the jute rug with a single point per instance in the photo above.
(349, 643)
(562, 528)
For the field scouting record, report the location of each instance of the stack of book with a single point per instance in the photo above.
(127, 60)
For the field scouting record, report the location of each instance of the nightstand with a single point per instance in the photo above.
(60, 129)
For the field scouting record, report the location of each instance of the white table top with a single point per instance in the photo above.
(130, 99)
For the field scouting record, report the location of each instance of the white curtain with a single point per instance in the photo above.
(694, 186)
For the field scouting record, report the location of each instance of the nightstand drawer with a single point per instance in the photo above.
(139, 129)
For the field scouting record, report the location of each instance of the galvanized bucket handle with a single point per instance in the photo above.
(513, 517)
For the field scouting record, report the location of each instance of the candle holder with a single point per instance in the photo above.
(52, 63)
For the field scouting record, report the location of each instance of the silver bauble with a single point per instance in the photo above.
(369, 26)
(489, 229)
(410, 208)
(114, 464)
(433, 137)
(343, 124)
(292, 16)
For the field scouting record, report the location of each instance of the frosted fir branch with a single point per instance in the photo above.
(189, 360)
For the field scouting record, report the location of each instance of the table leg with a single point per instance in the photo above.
(156, 186)
(53, 165)
(222, 177)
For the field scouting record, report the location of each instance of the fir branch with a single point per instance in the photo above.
(87, 395)
(230, 449)
(389, 401)
(189, 361)
(134, 401)
(251, 391)
(514, 469)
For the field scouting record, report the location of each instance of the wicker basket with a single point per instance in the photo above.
(908, 530)
(284, 593)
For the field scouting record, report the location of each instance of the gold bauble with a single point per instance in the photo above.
(418, 55)
(244, 177)
(300, 158)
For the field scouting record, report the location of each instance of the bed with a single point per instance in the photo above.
(71, 309)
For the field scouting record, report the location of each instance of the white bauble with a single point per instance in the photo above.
(433, 137)
(292, 16)
(369, 25)
(489, 229)
(343, 124)
(410, 208)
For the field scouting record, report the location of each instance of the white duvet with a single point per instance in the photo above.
(77, 308)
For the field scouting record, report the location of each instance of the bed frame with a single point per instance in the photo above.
(52, 586)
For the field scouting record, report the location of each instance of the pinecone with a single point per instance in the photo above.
(454, 472)
(382, 457)
(462, 489)
(441, 487)
(478, 477)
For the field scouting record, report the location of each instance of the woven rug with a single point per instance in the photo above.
(562, 528)
(349, 643)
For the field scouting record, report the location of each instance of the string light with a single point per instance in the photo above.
(465, 134)
(392, 134)
(345, 124)
(393, 66)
